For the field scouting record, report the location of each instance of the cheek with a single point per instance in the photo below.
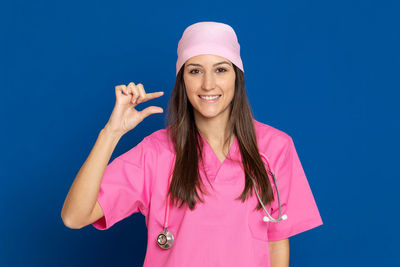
(189, 92)
(229, 85)
(191, 95)
(190, 86)
(230, 89)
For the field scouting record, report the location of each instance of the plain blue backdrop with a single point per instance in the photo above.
(324, 72)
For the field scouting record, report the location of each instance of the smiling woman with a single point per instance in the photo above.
(217, 187)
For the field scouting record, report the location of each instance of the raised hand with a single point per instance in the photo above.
(124, 116)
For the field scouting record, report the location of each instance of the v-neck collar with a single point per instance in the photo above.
(209, 149)
(212, 164)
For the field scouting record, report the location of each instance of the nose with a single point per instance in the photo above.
(208, 81)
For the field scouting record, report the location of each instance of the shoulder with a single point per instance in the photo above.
(156, 143)
(270, 138)
(159, 140)
(267, 133)
(150, 147)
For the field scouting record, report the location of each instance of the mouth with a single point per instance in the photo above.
(209, 98)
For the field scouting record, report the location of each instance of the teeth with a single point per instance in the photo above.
(209, 97)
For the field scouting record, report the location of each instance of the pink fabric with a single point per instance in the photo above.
(209, 37)
(221, 231)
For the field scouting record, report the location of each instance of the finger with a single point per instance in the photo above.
(134, 91)
(150, 110)
(150, 96)
(142, 93)
(120, 90)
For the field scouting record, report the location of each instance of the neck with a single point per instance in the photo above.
(214, 130)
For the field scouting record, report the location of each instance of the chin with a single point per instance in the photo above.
(209, 115)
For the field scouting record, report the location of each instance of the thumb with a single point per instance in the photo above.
(150, 110)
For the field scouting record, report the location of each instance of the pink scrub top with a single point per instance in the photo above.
(221, 231)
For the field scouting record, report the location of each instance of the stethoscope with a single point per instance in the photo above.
(165, 239)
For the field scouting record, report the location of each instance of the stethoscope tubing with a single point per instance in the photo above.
(269, 218)
(166, 235)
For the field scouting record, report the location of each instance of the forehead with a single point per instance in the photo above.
(206, 59)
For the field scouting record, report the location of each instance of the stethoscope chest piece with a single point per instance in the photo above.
(165, 239)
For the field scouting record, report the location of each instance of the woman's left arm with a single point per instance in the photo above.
(279, 253)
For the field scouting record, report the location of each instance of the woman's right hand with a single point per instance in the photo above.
(124, 116)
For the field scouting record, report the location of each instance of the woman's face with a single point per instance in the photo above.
(209, 76)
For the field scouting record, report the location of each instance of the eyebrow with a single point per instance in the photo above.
(219, 63)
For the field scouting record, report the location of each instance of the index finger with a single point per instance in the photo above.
(150, 96)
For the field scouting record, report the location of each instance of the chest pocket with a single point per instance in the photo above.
(258, 228)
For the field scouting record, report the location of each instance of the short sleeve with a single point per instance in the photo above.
(125, 186)
(297, 200)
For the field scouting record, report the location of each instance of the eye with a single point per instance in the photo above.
(224, 70)
(191, 72)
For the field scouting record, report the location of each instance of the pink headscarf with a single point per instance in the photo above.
(209, 38)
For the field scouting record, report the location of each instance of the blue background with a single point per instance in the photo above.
(325, 72)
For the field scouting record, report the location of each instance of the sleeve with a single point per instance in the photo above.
(297, 200)
(125, 186)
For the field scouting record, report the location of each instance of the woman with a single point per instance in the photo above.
(194, 180)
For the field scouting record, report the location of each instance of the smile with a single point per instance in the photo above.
(209, 98)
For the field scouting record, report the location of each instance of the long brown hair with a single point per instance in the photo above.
(183, 133)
